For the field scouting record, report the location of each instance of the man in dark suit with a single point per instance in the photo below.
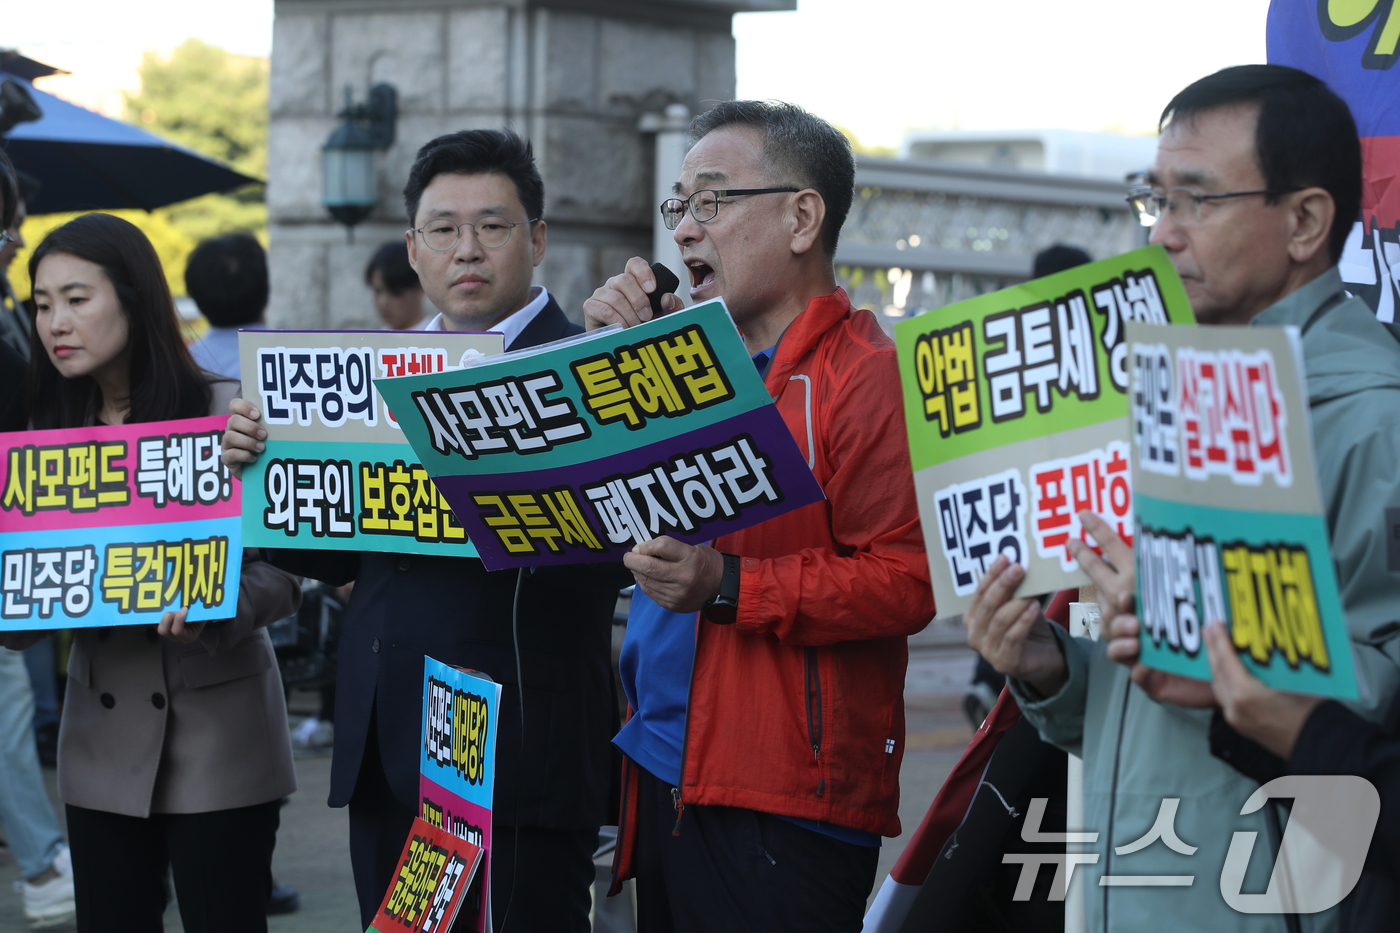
(474, 200)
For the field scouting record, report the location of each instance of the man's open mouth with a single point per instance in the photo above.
(700, 274)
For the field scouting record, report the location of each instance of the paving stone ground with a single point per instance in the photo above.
(313, 849)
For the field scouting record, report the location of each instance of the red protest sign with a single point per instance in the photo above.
(435, 871)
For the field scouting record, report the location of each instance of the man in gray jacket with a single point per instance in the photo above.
(1256, 184)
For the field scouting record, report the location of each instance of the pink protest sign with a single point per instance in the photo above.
(116, 525)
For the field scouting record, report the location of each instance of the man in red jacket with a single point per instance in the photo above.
(766, 673)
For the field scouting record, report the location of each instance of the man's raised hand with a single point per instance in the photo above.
(1270, 717)
(1115, 574)
(243, 438)
(1125, 646)
(1011, 633)
(626, 299)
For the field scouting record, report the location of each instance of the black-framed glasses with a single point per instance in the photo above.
(704, 204)
(492, 232)
(1184, 204)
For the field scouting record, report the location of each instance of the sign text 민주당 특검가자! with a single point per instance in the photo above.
(574, 452)
(117, 525)
(457, 766)
(338, 472)
(1016, 408)
(1230, 525)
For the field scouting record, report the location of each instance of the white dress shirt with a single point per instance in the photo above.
(513, 325)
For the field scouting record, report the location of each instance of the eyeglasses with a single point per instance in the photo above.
(704, 205)
(491, 232)
(5, 238)
(1148, 206)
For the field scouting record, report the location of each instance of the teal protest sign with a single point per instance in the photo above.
(575, 451)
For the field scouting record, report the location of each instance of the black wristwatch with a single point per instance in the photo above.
(723, 609)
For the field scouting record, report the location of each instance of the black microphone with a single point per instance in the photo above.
(666, 281)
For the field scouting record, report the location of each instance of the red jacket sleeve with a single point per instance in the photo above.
(874, 583)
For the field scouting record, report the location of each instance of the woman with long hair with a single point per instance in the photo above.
(173, 750)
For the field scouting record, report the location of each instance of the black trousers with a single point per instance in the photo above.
(222, 863)
(552, 869)
(732, 870)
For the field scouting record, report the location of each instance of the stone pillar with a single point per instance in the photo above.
(573, 75)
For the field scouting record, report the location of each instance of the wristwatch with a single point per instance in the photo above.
(723, 609)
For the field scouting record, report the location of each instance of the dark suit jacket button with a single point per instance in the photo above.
(403, 564)
(108, 700)
(375, 645)
(158, 701)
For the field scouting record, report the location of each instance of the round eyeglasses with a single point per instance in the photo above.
(492, 232)
(704, 205)
(1184, 204)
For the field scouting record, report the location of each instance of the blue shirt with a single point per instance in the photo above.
(658, 658)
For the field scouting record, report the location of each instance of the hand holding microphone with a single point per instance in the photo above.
(639, 294)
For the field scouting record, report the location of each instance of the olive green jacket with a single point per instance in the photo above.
(1137, 751)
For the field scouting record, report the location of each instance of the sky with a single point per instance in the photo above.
(875, 67)
(881, 67)
(101, 41)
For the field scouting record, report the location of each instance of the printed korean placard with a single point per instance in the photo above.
(574, 452)
(431, 884)
(1229, 517)
(117, 525)
(338, 472)
(457, 767)
(1015, 405)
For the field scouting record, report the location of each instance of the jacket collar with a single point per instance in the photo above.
(1297, 308)
(550, 324)
(821, 315)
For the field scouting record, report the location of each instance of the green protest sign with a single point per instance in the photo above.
(1229, 516)
(1016, 404)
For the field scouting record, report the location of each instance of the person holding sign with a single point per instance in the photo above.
(474, 200)
(173, 750)
(1255, 186)
(1313, 735)
(766, 672)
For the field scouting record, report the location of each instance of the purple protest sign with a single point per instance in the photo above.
(574, 453)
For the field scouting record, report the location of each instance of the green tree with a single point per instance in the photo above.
(209, 100)
(216, 103)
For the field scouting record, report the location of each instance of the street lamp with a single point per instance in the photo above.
(350, 182)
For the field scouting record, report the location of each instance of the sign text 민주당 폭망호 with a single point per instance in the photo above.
(574, 452)
(117, 525)
(1230, 525)
(338, 472)
(1016, 408)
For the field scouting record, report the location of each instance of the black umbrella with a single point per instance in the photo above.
(88, 162)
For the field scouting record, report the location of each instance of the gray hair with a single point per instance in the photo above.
(798, 149)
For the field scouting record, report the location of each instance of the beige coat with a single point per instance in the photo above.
(153, 726)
